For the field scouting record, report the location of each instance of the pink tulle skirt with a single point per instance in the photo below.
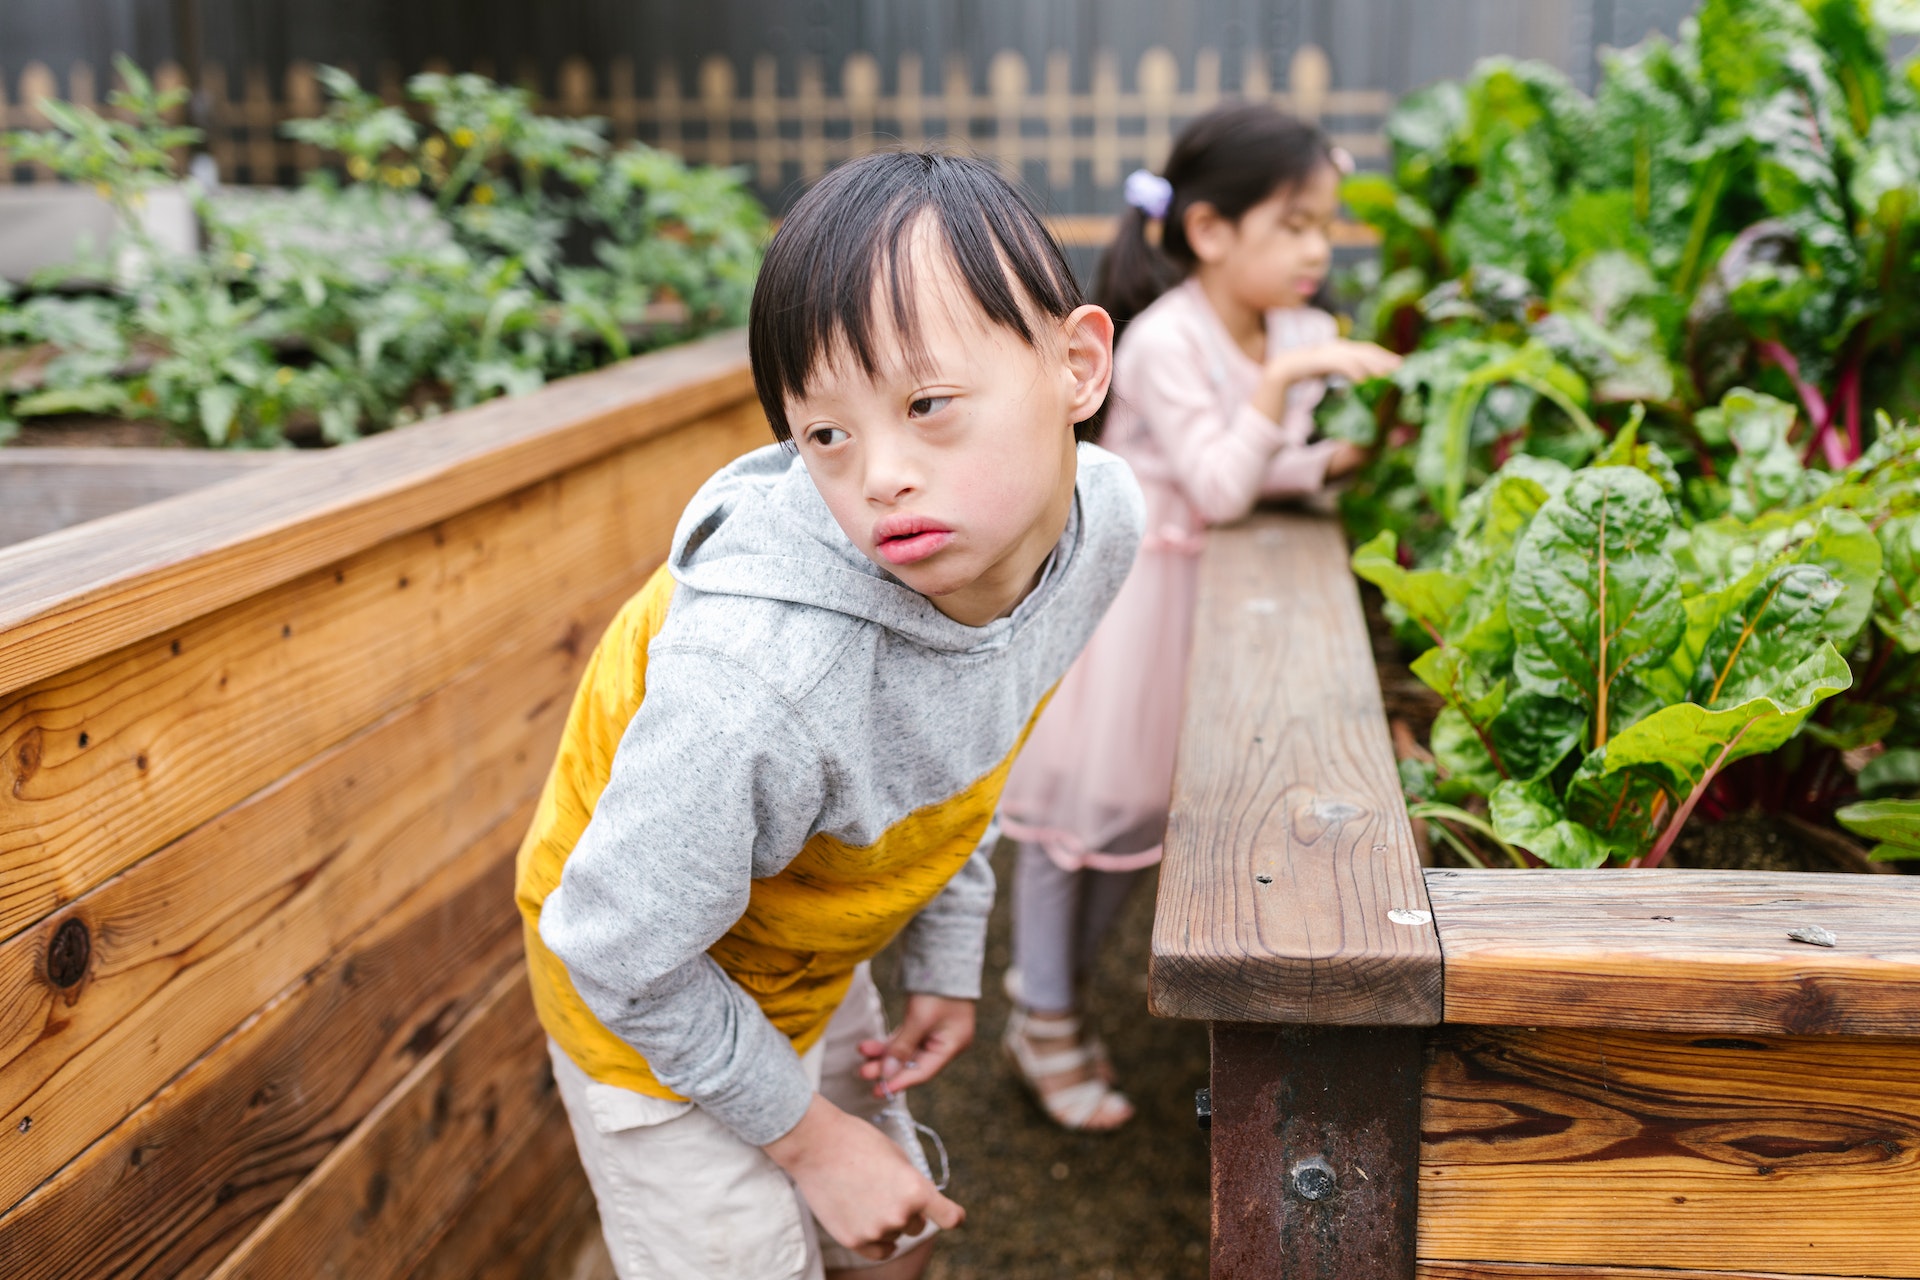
(1099, 765)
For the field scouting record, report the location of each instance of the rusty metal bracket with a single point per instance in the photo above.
(1316, 1151)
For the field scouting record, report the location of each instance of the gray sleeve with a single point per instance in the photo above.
(714, 768)
(943, 948)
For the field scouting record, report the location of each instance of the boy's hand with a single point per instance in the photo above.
(858, 1184)
(932, 1034)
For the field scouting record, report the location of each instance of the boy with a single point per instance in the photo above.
(789, 746)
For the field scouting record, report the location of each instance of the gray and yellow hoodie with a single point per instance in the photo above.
(779, 758)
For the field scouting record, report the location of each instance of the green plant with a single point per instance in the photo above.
(1739, 207)
(1592, 693)
(434, 266)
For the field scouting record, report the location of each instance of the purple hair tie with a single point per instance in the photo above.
(1149, 193)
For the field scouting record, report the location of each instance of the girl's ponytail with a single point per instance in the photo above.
(1231, 158)
(1132, 272)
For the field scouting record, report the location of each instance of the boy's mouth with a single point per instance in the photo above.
(905, 539)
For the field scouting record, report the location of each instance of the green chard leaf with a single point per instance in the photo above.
(1895, 823)
(1594, 596)
(1897, 604)
(1430, 596)
(1530, 815)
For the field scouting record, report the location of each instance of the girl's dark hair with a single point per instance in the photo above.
(1231, 158)
(853, 230)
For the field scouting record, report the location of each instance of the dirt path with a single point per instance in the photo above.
(1047, 1205)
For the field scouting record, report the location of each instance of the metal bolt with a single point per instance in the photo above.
(1312, 1178)
(1203, 1107)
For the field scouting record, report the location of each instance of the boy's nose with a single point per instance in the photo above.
(890, 474)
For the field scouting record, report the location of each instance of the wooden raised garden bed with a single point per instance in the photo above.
(1503, 1075)
(266, 752)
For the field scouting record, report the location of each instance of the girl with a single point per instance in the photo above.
(1221, 363)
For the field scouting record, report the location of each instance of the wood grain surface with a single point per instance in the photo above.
(101, 765)
(1530, 1271)
(84, 592)
(189, 942)
(42, 490)
(532, 1220)
(387, 1193)
(1289, 842)
(171, 1190)
(1703, 952)
(1773, 1154)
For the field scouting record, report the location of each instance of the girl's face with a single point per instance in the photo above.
(1277, 253)
(954, 470)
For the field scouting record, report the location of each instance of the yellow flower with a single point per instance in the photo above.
(434, 147)
(102, 190)
(463, 137)
(410, 176)
(359, 168)
(283, 375)
(483, 194)
(242, 261)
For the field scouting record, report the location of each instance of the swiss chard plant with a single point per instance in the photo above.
(1740, 207)
(1593, 690)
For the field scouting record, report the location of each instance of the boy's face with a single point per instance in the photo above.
(955, 471)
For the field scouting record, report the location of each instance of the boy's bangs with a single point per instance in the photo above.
(839, 278)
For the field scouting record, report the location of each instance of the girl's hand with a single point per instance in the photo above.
(1354, 361)
(859, 1185)
(932, 1034)
(1346, 459)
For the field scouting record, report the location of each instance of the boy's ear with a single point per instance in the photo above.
(1089, 334)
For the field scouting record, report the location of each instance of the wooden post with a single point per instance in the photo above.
(1293, 916)
(1316, 1151)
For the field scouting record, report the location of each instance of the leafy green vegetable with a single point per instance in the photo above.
(435, 266)
(1894, 823)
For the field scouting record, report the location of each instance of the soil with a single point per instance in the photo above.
(1043, 1204)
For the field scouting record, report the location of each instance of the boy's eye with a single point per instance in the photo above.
(825, 437)
(927, 405)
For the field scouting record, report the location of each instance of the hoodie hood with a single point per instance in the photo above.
(759, 528)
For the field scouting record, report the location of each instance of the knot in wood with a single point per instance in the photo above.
(1312, 1179)
(68, 952)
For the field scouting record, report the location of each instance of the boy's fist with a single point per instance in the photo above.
(859, 1185)
(934, 1032)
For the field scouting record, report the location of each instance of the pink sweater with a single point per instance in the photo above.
(1181, 415)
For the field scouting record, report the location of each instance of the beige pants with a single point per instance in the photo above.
(682, 1198)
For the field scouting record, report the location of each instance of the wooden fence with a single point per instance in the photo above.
(266, 752)
(1031, 119)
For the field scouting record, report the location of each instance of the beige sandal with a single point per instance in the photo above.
(1089, 1104)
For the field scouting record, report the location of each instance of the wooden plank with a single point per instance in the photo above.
(42, 490)
(1315, 1151)
(105, 763)
(75, 595)
(189, 942)
(382, 1198)
(533, 1219)
(172, 1189)
(1783, 1154)
(1702, 952)
(1528, 1271)
(1289, 843)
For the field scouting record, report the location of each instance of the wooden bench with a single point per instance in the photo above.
(1503, 1075)
(266, 752)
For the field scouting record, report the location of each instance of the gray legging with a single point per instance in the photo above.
(1059, 918)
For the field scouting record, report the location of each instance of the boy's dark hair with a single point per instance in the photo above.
(850, 234)
(1231, 158)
